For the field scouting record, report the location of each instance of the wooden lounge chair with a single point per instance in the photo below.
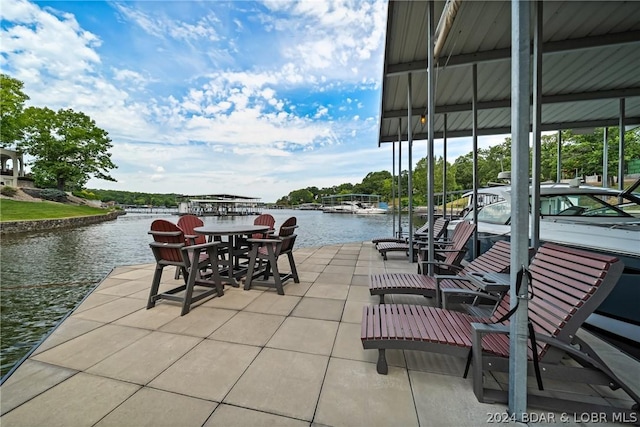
(449, 252)
(169, 249)
(399, 239)
(439, 229)
(268, 251)
(567, 284)
(495, 260)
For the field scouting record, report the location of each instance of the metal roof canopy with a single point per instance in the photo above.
(591, 59)
(573, 64)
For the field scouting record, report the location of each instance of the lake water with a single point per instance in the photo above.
(44, 275)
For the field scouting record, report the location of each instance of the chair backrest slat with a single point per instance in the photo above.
(286, 233)
(568, 284)
(168, 233)
(187, 223)
(461, 235)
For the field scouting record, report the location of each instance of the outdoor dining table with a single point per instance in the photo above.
(233, 232)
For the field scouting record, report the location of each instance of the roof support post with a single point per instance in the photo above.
(431, 108)
(537, 117)
(410, 161)
(399, 176)
(474, 132)
(605, 158)
(559, 156)
(520, 92)
(393, 189)
(621, 148)
(444, 167)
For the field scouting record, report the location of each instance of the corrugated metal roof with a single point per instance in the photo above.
(591, 59)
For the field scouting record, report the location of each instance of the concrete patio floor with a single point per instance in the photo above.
(252, 358)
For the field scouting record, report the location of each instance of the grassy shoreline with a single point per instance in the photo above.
(14, 210)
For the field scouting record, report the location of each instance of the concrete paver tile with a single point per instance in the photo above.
(208, 371)
(319, 308)
(82, 400)
(439, 399)
(334, 278)
(28, 381)
(248, 328)
(72, 327)
(324, 290)
(281, 382)
(94, 300)
(233, 298)
(353, 312)
(200, 322)
(112, 310)
(88, 349)
(135, 274)
(233, 416)
(306, 335)
(139, 362)
(152, 408)
(350, 386)
(127, 288)
(272, 303)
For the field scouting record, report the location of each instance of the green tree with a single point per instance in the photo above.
(12, 100)
(301, 196)
(67, 146)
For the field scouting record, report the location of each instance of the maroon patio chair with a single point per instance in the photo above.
(170, 249)
(263, 258)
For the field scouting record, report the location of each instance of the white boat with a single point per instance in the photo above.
(354, 207)
(593, 218)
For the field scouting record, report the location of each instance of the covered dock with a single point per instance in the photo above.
(219, 205)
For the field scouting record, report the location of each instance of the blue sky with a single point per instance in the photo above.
(204, 97)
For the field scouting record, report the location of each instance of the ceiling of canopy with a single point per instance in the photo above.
(591, 60)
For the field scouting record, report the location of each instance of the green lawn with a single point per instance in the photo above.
(12, 210)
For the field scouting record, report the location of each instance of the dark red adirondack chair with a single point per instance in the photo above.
(169, 249)
(268, 250)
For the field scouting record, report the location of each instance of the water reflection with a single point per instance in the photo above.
(43, 275)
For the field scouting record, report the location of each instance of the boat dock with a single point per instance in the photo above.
(254, 358)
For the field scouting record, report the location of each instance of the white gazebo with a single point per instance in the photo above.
(12, 167)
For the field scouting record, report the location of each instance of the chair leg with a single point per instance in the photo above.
(294, 270)
(155, 285)
(273, 263)
(188, 292)
(253, 258)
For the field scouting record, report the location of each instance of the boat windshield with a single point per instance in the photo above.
(596, 205)
(575, 205)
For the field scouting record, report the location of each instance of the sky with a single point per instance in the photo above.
(206, 97)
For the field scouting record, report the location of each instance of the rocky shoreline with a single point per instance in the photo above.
(12, 227)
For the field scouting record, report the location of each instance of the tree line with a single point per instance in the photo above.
(582, 155)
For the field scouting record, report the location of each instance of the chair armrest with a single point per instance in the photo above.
(273, 239)
(443, 264)
(451, 292)
(201, 246)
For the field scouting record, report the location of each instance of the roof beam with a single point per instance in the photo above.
(548, 48)
(545, 127)
(506, 103)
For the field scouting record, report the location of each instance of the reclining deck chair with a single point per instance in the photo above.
(399, 239)
(449, 253)
(495, 260)
(169, 249)
(439, 229)
(269, 250)
(567, 286)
